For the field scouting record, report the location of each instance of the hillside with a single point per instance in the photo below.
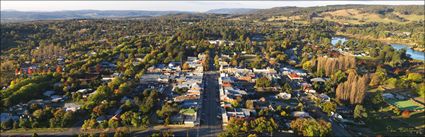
(10, 16)
(232, 11)
(352, 14)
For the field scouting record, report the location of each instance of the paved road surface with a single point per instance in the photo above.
(210, 107)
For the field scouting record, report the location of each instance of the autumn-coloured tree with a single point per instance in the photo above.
(17, 71)
(332, 65)
(352, 90)
(29, 71)
(98, 68)
(405, 114)
(58, 69)
(185, 66)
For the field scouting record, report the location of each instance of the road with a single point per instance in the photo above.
(210, 107)
(337, 130)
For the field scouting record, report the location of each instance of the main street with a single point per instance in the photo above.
(210, 122)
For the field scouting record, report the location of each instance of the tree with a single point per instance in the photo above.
(126, 118)
(329, 107)
(405, 114)
(101, 93)
(7, 124)
(167, 121)
(249, 104)
(24, 123)
(377, 98)
(38, 114)
(307, 66)
(216, 62)
(287, 88)
(263, 82)
(415, 77)
(352, 90)
(186, 66)
(283, 114)
(68, 118)
(420, 89)
(360, 112)
(124, 88)
(311, 127)
(378, 77)
(58, 69)
(89, 124)
(113, 123)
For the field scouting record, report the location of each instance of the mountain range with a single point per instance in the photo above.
(352, 13)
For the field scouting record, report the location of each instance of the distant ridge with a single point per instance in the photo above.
(10, 15)
(232, 11)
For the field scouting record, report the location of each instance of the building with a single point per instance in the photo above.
(283, 95)
(71, 107)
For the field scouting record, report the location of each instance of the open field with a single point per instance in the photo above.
(405, 104)
(386, 123)
(354, 16)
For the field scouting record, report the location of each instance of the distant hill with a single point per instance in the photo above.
(232, 11)
(353, 14)
(10, 16)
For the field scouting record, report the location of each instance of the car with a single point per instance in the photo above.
(287, 131)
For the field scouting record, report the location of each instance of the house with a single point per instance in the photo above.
(174, 65)
(190, 120)
(300, 114)
(324, 97)
(185, 97)
(154, 78)
(83, 91)
(317, 80)
(71, 107)
(177, 119)
(388, 96)
(189, 104)
(48, 93)
(101, 119)
(56, 98)
(283, 95)
(7, 116)
(294, 76)
(265, 71)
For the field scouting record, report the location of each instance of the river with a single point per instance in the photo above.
(412, 53)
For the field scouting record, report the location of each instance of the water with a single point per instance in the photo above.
(412, 53)
(336, 39)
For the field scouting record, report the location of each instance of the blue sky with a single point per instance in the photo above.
(199, 6)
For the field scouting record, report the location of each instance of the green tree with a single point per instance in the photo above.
(7, 124)
(216, 62)
(24, 123)
(311, 127)
(113, 123)
(249, 104)
(263, 82)
(329, 107)
(360, 112)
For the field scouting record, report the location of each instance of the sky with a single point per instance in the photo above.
(195, 6)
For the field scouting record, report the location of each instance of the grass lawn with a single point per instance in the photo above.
(36, 130)
(387, 123)
(405, 104)
(416, 118)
